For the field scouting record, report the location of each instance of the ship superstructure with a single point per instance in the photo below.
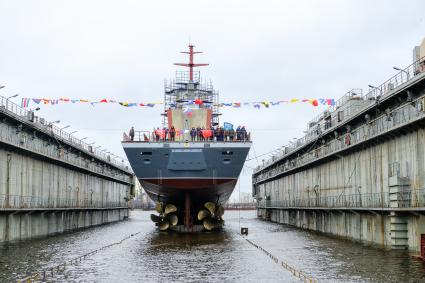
(190, 165)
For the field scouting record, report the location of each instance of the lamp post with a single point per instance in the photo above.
(54, 122)
(376, 88)
(7, 99)
(404, 71)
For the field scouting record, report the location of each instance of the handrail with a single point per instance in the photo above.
(403, 199)
(384, 89)
(57, 132)
(23, 202)
(148, 136)
(397, 117)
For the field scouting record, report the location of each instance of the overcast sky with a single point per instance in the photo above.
(257, 50)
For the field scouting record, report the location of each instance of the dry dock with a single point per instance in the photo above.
(51, 182)
(359, 171)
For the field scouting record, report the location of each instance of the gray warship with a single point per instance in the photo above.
(190, 175)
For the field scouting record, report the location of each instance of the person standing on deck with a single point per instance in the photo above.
(157, 136)
(165, 133)
(231, 134)
(199, 133)
(243, 133)
(131, 133)
(193, 134)
(238, 133)
(172, 133)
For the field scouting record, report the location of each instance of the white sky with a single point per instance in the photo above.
(258, 50)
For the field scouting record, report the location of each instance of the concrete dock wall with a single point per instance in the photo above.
(26, 182)
(360, 176)
(364, 176)
(366, 227)
(51, 182)
(24, 226)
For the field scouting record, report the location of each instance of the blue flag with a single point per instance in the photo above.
(227, 126)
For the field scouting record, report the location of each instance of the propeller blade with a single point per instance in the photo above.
(173, 219)
(220, 223)
(155, 218)
(211, 207)
(208, 224)
(220, 211)
(170, 208)
(164, 225)
(203, 214)
(159, 207)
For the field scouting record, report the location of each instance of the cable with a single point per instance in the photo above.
(44, 274)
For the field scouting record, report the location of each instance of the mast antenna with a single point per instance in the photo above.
(191, 64)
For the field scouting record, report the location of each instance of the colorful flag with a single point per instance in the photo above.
(206, 133)
(25, 102)
(314, 102)
(266, 103)
(228, 126)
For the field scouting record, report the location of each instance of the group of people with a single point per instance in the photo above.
(218, 134)
(165, 134)
(199, 134)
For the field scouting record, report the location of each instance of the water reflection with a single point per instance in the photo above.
(152, 256)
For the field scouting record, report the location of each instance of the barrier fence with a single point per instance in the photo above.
(403, 199)
(398, 117)
(371, 97)
(7, 105)
(23, 202)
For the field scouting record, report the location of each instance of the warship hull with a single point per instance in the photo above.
(169, 172)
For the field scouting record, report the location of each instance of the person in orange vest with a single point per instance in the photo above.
(157, 136)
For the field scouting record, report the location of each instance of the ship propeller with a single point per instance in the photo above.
(166, 216)
(211, 217)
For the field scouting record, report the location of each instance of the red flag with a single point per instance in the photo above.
(198, 101)
(206, 133)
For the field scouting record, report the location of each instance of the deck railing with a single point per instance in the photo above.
(375, 92)
(147, 136)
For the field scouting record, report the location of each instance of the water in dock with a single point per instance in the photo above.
(150, 256)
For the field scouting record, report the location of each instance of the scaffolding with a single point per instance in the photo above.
(182, 92)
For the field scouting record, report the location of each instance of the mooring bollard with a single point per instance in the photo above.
(244, 231)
